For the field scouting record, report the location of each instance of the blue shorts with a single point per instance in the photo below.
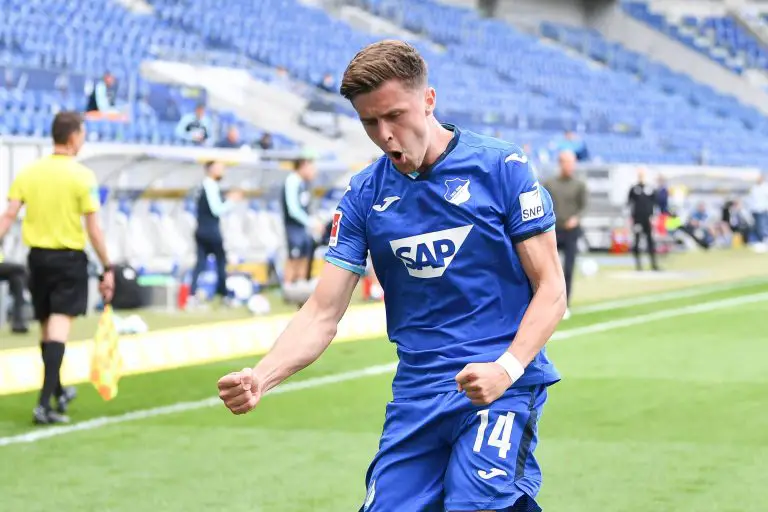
(441, 453)
(299, 242)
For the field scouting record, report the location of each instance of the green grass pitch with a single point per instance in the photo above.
(669, 414)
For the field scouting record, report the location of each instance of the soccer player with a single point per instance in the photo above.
(461, 236)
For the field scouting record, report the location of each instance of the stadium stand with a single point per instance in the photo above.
(478, 74)
(721, 38)
(50, 52)
(703, 119)
(671, 118)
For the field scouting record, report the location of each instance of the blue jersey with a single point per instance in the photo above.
(442, 244)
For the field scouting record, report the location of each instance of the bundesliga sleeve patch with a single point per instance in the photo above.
(530, 205)
(335, 227)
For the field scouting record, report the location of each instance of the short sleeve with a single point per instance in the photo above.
(347, 246)
(16, 192)
(529, 208)
(88, 195)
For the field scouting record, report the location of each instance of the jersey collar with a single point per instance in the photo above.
(451, 146)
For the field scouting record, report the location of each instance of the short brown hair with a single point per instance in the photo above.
(298, 163)
(64, 125)
(382, 61)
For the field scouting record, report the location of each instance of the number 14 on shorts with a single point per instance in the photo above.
(500, 435)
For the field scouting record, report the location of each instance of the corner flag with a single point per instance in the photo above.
(106, 363)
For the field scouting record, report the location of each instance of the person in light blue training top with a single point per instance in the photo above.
(295, 199)
(461, 238)
(195, 127)
(211, 205)
(103, 98)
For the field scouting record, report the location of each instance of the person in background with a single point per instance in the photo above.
(737, 219)
(758, 202)
(642, 203)
(569, 195)
(698, 227)
(104, 95)
(195, 127)
(266, 142)
(59, 193)
(211, 205)
(328, 84)
(15, 275)
(662, 196)
(232, 140)
(298, 224)
(573, 143)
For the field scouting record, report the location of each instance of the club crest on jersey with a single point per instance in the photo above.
(428, 255)
(458, 191)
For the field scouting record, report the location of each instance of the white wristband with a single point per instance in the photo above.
(511, 365)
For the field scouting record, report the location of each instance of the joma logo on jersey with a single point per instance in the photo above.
(428, 255)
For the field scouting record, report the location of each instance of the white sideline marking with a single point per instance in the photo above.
(45, 433)
(660, 315)
(663, 296)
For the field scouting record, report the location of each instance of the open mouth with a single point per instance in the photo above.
(397, 156)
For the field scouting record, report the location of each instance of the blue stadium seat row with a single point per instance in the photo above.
(721, 39)
(662, 102)
(489, 75)
(86, 38)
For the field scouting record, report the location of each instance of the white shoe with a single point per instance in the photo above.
(567, 314)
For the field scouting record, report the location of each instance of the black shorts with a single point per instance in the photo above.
(58, 282)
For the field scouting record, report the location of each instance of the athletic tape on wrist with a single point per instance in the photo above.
(511, 365)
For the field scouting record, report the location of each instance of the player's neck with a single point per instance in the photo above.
(441, 138)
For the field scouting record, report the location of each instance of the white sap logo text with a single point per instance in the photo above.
(428, 255)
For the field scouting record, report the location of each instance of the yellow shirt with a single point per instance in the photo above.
(57, 191)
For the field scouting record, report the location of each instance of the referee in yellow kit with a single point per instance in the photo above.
(58, 192)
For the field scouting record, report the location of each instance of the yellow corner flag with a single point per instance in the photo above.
(106, 362)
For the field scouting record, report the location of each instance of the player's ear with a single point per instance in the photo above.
(430, 100)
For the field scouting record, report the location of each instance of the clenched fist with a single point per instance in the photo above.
(483, 382)
(240, 391)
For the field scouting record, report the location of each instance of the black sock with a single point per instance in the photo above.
(53, 355)
(59, 389)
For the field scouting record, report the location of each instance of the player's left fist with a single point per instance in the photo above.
(483, 382)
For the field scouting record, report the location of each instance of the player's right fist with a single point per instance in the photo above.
(240, 391)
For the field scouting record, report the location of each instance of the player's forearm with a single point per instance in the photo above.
(540, 320)
(307, 336)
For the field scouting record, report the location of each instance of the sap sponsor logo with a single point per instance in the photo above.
(428, 255)
(530, 204)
